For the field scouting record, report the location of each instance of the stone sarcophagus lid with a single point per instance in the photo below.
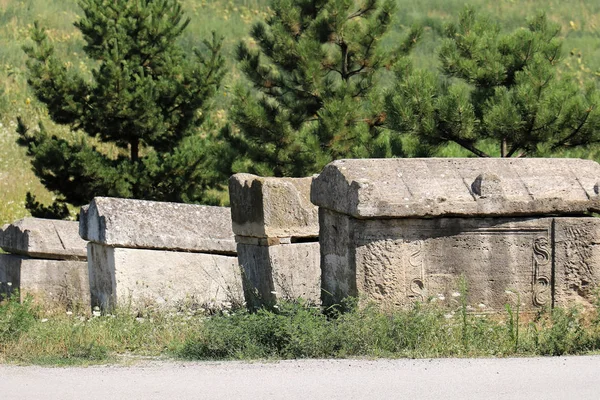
(147, 253)
(46, 259)
(276, 229)
(395, 231)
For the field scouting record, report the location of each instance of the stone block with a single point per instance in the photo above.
(284, 271)
(142, 277)
(395, 262)
(63, 282)
(44, 238)
(272, 207)
(145, 224)
(414, 188)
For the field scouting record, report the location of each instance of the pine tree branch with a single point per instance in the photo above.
(362, 11)
(367, 54)
(469, 147)
(573, 134)
(513, 149)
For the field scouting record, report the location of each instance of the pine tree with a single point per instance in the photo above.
(314, 68)
(146, 96)
(499, 91)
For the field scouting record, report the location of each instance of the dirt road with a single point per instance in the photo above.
(525, 378)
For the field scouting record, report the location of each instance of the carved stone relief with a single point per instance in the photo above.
(402, 261)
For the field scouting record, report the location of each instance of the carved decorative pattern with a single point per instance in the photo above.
(416, 286)
(579, 270)
(541, 250)
(541, 285)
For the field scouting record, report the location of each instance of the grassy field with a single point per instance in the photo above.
(30, 334)
(580, 21)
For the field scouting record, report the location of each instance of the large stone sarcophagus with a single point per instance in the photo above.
(45, 259)
(147, 253)
(398, 230)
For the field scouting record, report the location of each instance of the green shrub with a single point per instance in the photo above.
(15, 317)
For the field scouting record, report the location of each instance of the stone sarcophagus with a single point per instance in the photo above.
(276, 228)
(395, 231)
(46, 259)
(146, 253)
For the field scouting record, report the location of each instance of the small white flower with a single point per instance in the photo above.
(456, 294)
(44, 320)
(8, 283)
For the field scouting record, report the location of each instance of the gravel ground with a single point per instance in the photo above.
(510, 378)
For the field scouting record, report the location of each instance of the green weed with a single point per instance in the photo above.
(425, 330)
(16, 318)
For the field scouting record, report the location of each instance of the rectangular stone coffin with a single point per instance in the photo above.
(276, 230)
(144, 253)
(381, 248)
(138, 278)
(47, 261)
(62, 282)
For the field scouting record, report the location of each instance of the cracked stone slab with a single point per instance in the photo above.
(146, 224)
(272, 207)
(433, 187)
(44, 238)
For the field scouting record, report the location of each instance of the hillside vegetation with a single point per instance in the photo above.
(580, 22)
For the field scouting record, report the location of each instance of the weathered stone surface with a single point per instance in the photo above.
(458, 187)
(62, 282)
(397, 261)
(157, 225)
(285, 271)
(272, 207)
(44, 238)
(577, 260)
(139, 277)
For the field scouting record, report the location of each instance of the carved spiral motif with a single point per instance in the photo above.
(415, 258)
(541, 250)
(418, 287)
(541, 291)
(417, 284)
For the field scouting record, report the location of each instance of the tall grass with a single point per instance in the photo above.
(292, 330)
(296, 331)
